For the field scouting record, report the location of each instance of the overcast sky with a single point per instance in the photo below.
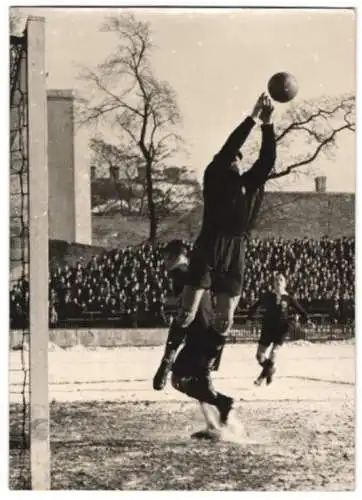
(219, 61)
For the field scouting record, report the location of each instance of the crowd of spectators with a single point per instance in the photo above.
(131, 284)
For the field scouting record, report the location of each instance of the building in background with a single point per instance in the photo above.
(69, 183)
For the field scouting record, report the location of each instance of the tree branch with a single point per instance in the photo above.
(120, 102)
(295, 125)
(310, 159)
(127, 130)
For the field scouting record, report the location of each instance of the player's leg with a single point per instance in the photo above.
(209, 416)
(271, 364)
(175, 338)
(185, 378)
(222, 322)
(200, 387)
(189, 385)
(261, 353)
(261, 356)
(277, 344)
(203, 389)
(191, 298)
(199, 280)
(225, 306)
(274, 352)
(227, 285)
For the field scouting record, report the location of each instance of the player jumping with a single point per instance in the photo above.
(201, 352)
(232, 200)
(275, 325)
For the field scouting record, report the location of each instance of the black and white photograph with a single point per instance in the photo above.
(182, 217)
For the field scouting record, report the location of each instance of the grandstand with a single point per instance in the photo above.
(128, 287)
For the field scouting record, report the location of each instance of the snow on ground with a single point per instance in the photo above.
(305, 371)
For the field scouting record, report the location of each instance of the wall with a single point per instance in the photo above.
(108, 338)
(98, 338)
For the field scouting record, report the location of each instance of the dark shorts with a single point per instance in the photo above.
(199, 387)
(192, 363)
(274, 336)
(218, 264)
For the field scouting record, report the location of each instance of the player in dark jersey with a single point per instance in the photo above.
(201, 352)
(177, 263)
(232, 199)
(277, 306)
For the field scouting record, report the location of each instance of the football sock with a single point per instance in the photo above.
(175, 338)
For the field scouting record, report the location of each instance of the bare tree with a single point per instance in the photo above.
(126, 95)
(306, 132)
(310, 130)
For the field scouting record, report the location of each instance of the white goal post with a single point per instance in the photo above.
(38, 254)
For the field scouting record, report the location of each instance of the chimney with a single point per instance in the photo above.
(321, 184)
(114, 173)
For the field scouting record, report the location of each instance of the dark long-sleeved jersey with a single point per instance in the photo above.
(276, 310)
(231, 200)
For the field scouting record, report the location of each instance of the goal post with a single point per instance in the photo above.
(38, 254)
